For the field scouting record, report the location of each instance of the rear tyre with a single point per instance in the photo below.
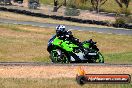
(58, 56)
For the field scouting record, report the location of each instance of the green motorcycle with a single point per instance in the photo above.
(65, 51)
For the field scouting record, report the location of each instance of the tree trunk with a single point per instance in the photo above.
(119, 3)
(64, 2)
(55, 6)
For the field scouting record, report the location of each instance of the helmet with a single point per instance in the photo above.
(60, 29)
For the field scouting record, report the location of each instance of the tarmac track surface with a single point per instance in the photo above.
(93, 29)
(52, 64)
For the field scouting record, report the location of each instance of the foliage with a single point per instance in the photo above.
(72, 12)
(109, 6)
(120, 20)
(125, 11)
(76, 3)
(71, 4)
(123, 20)
(123, 4)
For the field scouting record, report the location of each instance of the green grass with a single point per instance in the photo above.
(52, 83)
(29, 44)
(119, 57)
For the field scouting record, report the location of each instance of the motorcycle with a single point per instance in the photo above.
(65, 51)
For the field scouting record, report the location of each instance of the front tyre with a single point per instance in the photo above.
(58, 56)
(100, 58)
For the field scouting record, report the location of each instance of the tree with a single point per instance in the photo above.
(123, 2)
(57, 5)
(96, 4)
(65, 2)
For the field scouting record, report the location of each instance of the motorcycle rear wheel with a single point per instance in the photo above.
(56, 57)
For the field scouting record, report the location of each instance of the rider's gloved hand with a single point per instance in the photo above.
(91, 41)
(61, 37)
(69, 32)
(67, 36)
(77, 40)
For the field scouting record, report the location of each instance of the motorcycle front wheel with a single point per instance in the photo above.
(58, 56)
(100, 58)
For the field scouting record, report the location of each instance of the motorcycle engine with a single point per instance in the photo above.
(76, 50)
(89, 53)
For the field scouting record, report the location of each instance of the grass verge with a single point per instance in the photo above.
(53, 83)
(119, 57)
(29, 44)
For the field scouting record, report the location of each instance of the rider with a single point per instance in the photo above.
(62, 33)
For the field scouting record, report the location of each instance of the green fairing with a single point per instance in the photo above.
(86, 45)
(57, 42)
(66, 45)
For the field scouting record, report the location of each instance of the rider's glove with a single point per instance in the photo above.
(67, 36)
